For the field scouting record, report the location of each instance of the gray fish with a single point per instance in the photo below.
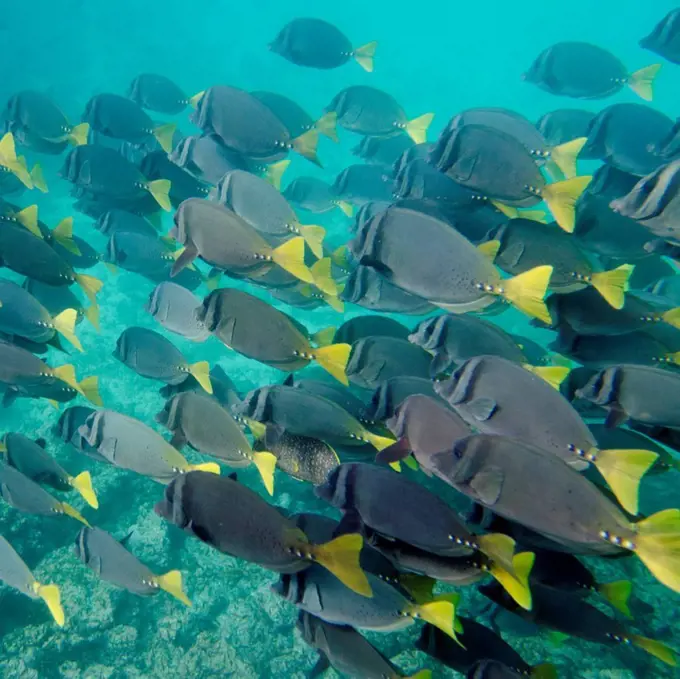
(16, 574)
(564, 125)
(120, 220)
(499, 397)
(361, 184)
(492, 669)
(112, 562)
(156, 165)
(173, 306)
(151, 355)
(32, 460)
(664, 39)
(158, 93)
(144, 254)
(361, 327)
(584, 71)
(70, 421)
(385, 151)
(389, 395)
(128, 443)
(206, 157)
(224, 390)
(314, 195)
(331, 391)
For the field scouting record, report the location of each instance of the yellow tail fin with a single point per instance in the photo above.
(67, 373)
(314, 236)
(51, 596)
(642, 81)
(324, 337)
(257, 429)
(196, 99)
(365, 55)
(291, 257)
(164, 135)
(507, 210)
(29, 218)
(656, 648)
(417, 128)
(379, 442)
(201, 373)
(92, 315)
(90, 285)
(657, 545)
(65, 324)
(208, 467)
(275, 171)
(498, 547)
(617, 594)
(333, 301)
(561, 198)
(322, 275)
(160, 190)
(534, 215)
(528, 290)
(66, 508)
(266, 464)
(171, 583)
(423, 674)
(340, 257)
(346, 208)
(420, 587)
(327, 125)
(613, 285)
(341, 557)
(8, 150)
(565, 155)
(78, 134)
(672, 317)
(440, 613)
(89, 388)
(19, 169)
(63, 234)
(333, 359)
(38, 178)
(306, 145)
(623, 470)
(543, 671)
(83, 484)
(554, 375)
(516, 582)
(490, 249)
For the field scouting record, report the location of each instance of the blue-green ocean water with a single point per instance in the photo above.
(441, 56)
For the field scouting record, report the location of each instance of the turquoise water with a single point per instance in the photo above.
(441, 57)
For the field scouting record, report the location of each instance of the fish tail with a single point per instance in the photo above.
(207, 467)
(657, 545)
(490, 249)
(345, 207)
(212, 282)
(38, 178)
(672, 317)
(341, 557)
(623, 470)
(327, 125)
(554, 375)
(314, 236)
(642, 81)
(544, 671)
(291, 257)
(171, 583)
(89, 388)
(656, 648)
(498, 547)
(63, 234)
(333, 359)
(257, 429)
(417, 128)
(305, 145)
(66, 508)
(516, 582)
(324, 337)
(322, 276)
(340, 257)
(83, 484)
(613, 285)
(196, 99)
(534, 216)
(65, 324)
(160, 190)
(423, 674)
(364, 55)
(164, 135)
(51, 595)
(92, 315)
(90, 285)
(617, 594)
(528, 290)
(335, 303)
(379, 442)
(561, 198)
(440, 612)
(265, 464)
(8, 150)
(565, 156)
(28, 217)
(507, 210)
(19, 169)
(275, 171)
(67, 373)
(420, 587)
(201, 373)
(78, 134)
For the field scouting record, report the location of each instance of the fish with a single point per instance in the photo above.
(371, 112)
(347, 651)
(31, 459)
(224, 390)
(116, 220)
(151, 355)
(70, 420)
(374, 360)
(158, 93)
(369, 325)
(257, 531)
(564, 125)
(112, 562)
(385, 151)
(392, 392)
(489, 392)
(256, 330)
(265, 209)
(585, 71)
(145, 254)
(464, 279)
(361, 184)
(173, 306)
(247, 126)
(314, 195)
(306, 413)
(128, 443)
(11, 164)
(663, 40)
(207, 427)
(331, 391)
(57, 299)
(16, 574)
(315, 43)
(571, 615)
(183, 185)
(493, 162)
(492, 669)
